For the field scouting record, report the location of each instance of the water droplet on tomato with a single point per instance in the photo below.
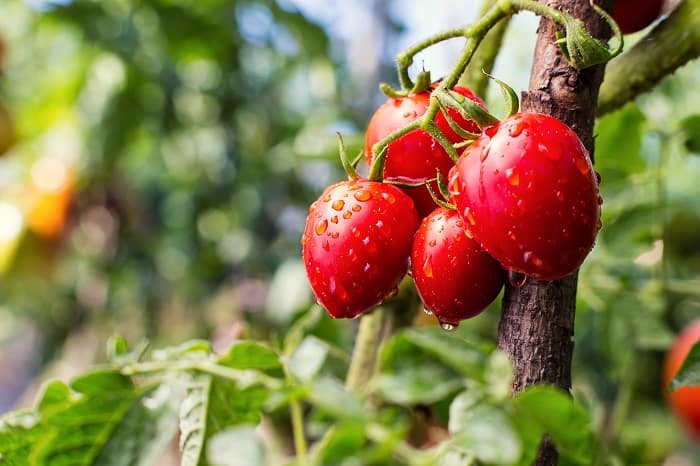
(321, 226)
(512, 235)
(352, 255)
(366, 267)
(363, 195)
(356, 208)
(513, 177)
(338, 205)
(390, 198)
(485, 151)
(515, 129)
(325, 244)
(365, 240)
(355, 232)
(448, 326)
(598, 178)
(347, 215)
(428, 267)
(334, 219)
(432, 242)
(468, 234)
(583, 166)
(516, 279)
(599, 225)
(469, 216)
(332, 285)
(427, 311)
(560, 196)
(599, 200)
(379, 224)
(326, 197)
(530, 258)
(335, 234)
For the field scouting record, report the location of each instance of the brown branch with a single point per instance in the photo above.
(537, 321)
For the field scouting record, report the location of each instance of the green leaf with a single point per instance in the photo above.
(329, 395)
(419, 384)
(619, 143)
(689, 373)
(55, 395)
(567, 423)
(239, 446)
(252, 355)
(690, 133)
(308, 358)
(212, 405)
(19, 434)
(342, 442)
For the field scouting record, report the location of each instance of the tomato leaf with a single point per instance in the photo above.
(690, 132)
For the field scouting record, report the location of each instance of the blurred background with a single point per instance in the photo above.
(164, 154)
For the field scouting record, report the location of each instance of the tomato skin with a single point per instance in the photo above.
(685, 402)
(635, 15)
(528, 193)
(416, 156)
(454, 277)
(356, 244)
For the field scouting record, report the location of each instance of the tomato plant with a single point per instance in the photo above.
(634, 15)
(528, 193)
(415, 157)
(356, 244)
(684, 401)
(454, 277)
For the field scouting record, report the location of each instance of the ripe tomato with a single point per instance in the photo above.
(685, 401)
(635, 15)
(528, 193)
(454, 277)
(416, 156)
(356, 244)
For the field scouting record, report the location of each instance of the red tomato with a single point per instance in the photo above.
(685, 401)
(416, 156)
(528, 193)
(454, 277)
(356, 244)
(635, 15)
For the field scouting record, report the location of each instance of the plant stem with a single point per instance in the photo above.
(298, 431)
(670, 45)
(485, 56)
(364, 356)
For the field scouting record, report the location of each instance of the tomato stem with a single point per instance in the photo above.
(364, 356)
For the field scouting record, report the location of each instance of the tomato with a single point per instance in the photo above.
(685, 401)
(635, 15)
(528, 193)
(454, 277)
(356, 244)
(415, 157)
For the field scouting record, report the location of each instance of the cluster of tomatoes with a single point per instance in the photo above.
(521, 200)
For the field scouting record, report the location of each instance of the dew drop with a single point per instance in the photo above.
(355, 232)
(454, 186)
(338, 205)
(366, 267)
(485, 151)
(448, 327)
(583, 166)
(470, 217)
(515, 130)
(599, 225)
(379, 224)
(512, 235)
(334, 219)
(347, 215)
(598, 178)
(331, 285)
(428, 267)
(468, 234)
(321, 226)
(356, 208)
(530, 258)
(365, 240)
(362, 195)
(560, 196)
(326, 197)
(335, 234)
(516, 279)
(599, 200)
(513, 177)
(427, 311)
(432, 242)
(390, 198)
(326, 245)
(352, 255)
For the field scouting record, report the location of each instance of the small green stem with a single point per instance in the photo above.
(364, 356)
(298, 432)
